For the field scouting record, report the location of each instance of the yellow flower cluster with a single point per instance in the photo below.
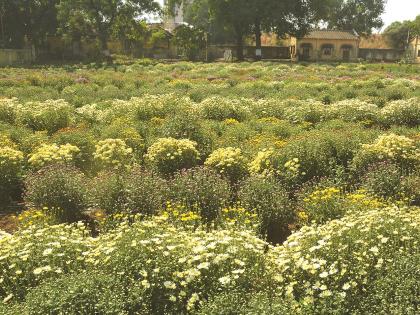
(392, 146)
(177, 213)
(231, 121)
(227, 161)
(169, 154)
(292, 166)
(262, 163)
(36, 217)
(51, 153)
(10, 157)
(323, 194)
(239, 216)
(113, 153)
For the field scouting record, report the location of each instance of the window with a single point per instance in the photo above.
(327, 51)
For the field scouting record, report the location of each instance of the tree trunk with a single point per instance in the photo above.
(258, 51)
(239, 47)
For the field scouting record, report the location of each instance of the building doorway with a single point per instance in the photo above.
(306, 51)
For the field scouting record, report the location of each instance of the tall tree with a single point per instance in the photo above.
(400, 34)
(101, 16)
(25, 18)
(252, 17)
(360, 16)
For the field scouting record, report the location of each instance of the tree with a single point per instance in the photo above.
(190, 39)
(25, 18)
(101, 16)
(246, 17)
(400, 34)
(360, 16)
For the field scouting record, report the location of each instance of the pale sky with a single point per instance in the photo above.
(396, 10)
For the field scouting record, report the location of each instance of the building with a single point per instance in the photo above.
(377, 48)
(327, 45)
(414, 49)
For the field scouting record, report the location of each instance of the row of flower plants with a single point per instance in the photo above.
(365, 262)
(299, 197)
(84, 84)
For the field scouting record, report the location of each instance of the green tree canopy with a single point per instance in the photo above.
(100, 18)
(25, 18)
(400, 34)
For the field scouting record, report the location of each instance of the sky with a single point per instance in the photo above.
(396, 10)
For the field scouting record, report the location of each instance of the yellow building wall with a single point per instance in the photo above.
(316, 53)
(15, 56)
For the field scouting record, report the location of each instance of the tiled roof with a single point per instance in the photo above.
(329, 34)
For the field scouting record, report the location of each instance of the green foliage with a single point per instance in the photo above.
(201, 190)
(62, 189)
(271, 203)
(168, 155)
(191, 40)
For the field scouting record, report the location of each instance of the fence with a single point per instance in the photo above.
(15, 56)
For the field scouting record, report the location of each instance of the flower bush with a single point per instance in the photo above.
(402, 112)
(353, 110)
(59, 189)
(389, 147)
(220, 108)
(333, 265)
(200, 190)
(169, 155)
(228, 162)
(113, 154)
(8, 109)
(11, 163)
(270, 201)
(50, 115)
(48, 154)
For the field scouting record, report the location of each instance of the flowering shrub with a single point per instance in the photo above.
(262, 164)
(113, 154)
(304, 111)
(389, 147)
(220, 108)
(169, 155)
(52, 153)
(36, 254)
(228, 162)
(353, 110)
(11, 163)
(200, 190)
(59, 189)
(270, 201)
(8, 108)
(50, 115)
(402, 112)
(178, 269)
(336, 263)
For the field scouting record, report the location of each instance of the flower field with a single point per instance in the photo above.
(188, 188)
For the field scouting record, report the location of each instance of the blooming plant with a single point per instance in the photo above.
(52, 153)
(228, 162)
(113, 154)
(341, 259)
(169, 155)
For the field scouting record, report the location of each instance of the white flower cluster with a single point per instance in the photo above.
(344, 255)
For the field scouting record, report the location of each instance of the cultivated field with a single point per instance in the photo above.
(251, 188)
